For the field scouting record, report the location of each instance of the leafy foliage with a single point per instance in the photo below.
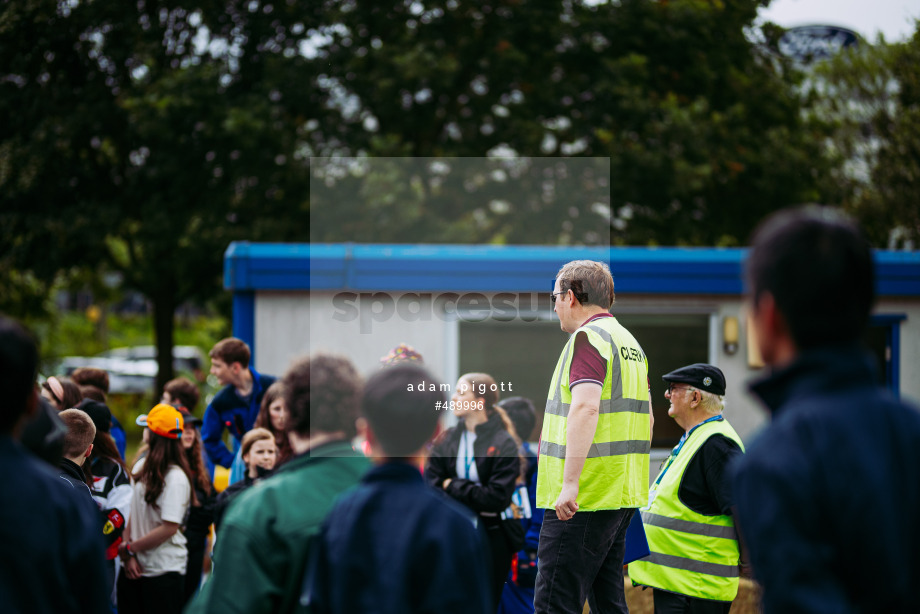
(871, 98)
(147, 137)
(702, 126)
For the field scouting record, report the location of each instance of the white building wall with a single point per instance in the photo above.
(910, 344)
(289, 325)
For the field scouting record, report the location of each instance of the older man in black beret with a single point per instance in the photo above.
(695, 555)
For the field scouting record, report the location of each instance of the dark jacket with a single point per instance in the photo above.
(395, 546)
(497, 464)
(828, 495)
(73, 474)
(49, 540)
(228, 411)
(227, 496)
(201, 516)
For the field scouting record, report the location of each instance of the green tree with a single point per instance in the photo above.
(870, 96)
(702, 126)
(144, 137)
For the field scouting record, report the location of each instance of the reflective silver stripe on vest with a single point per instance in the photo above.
(600, 450)
(688, 526)
(556, 407)
(679, 562)
(565, 357)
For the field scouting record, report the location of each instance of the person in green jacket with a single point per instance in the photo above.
(261, 556)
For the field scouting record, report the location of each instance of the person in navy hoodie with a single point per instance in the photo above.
(236, 406)
(50, 541)
(828, 494)
(394, 545)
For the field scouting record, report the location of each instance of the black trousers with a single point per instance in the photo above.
(501, 559)
(672, 603)
(582, 558)
(158, 595)
(193, 569)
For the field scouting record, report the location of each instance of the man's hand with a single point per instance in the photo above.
(566, 504)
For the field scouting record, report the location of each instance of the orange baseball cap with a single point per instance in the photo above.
(164, 420)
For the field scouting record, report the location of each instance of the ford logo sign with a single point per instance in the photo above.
(812, 43)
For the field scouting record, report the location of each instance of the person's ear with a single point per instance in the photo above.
(89, 451)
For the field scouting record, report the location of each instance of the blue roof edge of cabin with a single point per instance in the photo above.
(515, 268)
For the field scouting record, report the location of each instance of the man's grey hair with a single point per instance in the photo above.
(712, 404)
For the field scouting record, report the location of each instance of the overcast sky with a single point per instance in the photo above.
(893, 18)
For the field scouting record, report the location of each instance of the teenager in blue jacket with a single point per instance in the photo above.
(236, 406)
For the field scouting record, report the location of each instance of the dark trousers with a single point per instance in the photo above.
(193, 569)
(501, 560)
(157, 595)
(672, 603)
(582, 558)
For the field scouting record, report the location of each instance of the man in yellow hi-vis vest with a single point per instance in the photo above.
(594, 448)
(694, 561)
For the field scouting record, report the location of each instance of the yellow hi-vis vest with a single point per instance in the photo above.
(615, 474)
(691, 554)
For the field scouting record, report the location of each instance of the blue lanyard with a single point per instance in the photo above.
(680, 444)
(468, 458)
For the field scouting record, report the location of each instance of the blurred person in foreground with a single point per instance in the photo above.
(261, 556)
(49, 535)
(695, 556)
(395, 545)
(828, 494)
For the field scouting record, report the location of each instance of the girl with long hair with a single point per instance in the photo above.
(197, 527)
(155, 553)
(477, 462)
(273, 416)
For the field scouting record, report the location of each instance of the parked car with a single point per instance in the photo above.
(185, 357)
(133, 370)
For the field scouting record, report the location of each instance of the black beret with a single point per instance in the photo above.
(699, 375)
(99, 412)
